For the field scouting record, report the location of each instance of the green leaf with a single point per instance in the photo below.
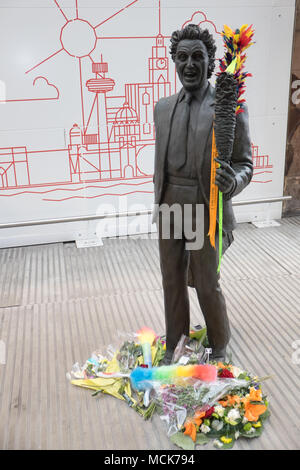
(215, 433)
(247, 427)
(159, 354)
(183, 441)
(202, 439)
(256, 433)
(229, 445)
(199, 335)
(242, 376)
(96, 393)
(265, 415)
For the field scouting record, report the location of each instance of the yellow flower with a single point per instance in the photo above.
(257, 425)
(225, 439)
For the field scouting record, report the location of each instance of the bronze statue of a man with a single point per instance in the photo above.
(184, 124)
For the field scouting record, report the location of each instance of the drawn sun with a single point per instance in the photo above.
(78, 37)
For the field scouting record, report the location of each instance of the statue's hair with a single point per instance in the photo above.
(193, 31)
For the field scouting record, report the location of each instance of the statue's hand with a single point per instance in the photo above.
(225, 177)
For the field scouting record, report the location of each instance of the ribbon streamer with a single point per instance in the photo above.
(213, 199)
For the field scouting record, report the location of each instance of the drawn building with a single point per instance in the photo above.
(111, 152)
(14, 170)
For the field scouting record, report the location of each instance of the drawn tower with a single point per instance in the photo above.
(159, 70)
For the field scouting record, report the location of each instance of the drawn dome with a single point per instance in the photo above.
(126, 115)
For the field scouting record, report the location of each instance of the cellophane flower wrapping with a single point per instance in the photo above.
(196, 413)
(193, 412)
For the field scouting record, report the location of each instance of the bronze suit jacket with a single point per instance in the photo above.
(241, 155)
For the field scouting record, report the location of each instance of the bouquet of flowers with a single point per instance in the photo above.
(233, 407)
(109, 374)
(196, 410)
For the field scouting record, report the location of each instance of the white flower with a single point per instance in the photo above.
(219, 410)
(218, 443)
(237, 435)
(251, 431)
(205, 429)
(217, 425)
(245, 420)
(236, 371)
(233, 415)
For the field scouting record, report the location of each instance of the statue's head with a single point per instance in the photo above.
(193, 51)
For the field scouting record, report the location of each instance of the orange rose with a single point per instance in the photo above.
(255, 395)
(190, 430)
(252, 410)
(198, 417)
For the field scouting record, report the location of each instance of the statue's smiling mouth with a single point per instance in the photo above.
(190, 75)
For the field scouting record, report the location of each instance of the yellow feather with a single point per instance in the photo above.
(245, 26)
(236, 38)
(228, 31)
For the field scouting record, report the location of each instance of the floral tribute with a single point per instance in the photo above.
(240, 412)
(195, 412)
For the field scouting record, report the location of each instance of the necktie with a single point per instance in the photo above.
(181, 132)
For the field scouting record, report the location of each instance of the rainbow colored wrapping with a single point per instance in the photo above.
(143, 378)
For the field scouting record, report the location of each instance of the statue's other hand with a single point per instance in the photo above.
(225, 177)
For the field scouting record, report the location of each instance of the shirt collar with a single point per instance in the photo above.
(198, 94)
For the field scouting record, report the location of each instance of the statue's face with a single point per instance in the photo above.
(191, 63)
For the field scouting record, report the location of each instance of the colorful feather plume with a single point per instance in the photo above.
(230, 87)
(235, 43)
(143, 378)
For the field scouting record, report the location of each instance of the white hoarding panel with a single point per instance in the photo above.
(79, 82)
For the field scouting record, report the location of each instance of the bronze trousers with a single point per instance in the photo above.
(175, 263)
